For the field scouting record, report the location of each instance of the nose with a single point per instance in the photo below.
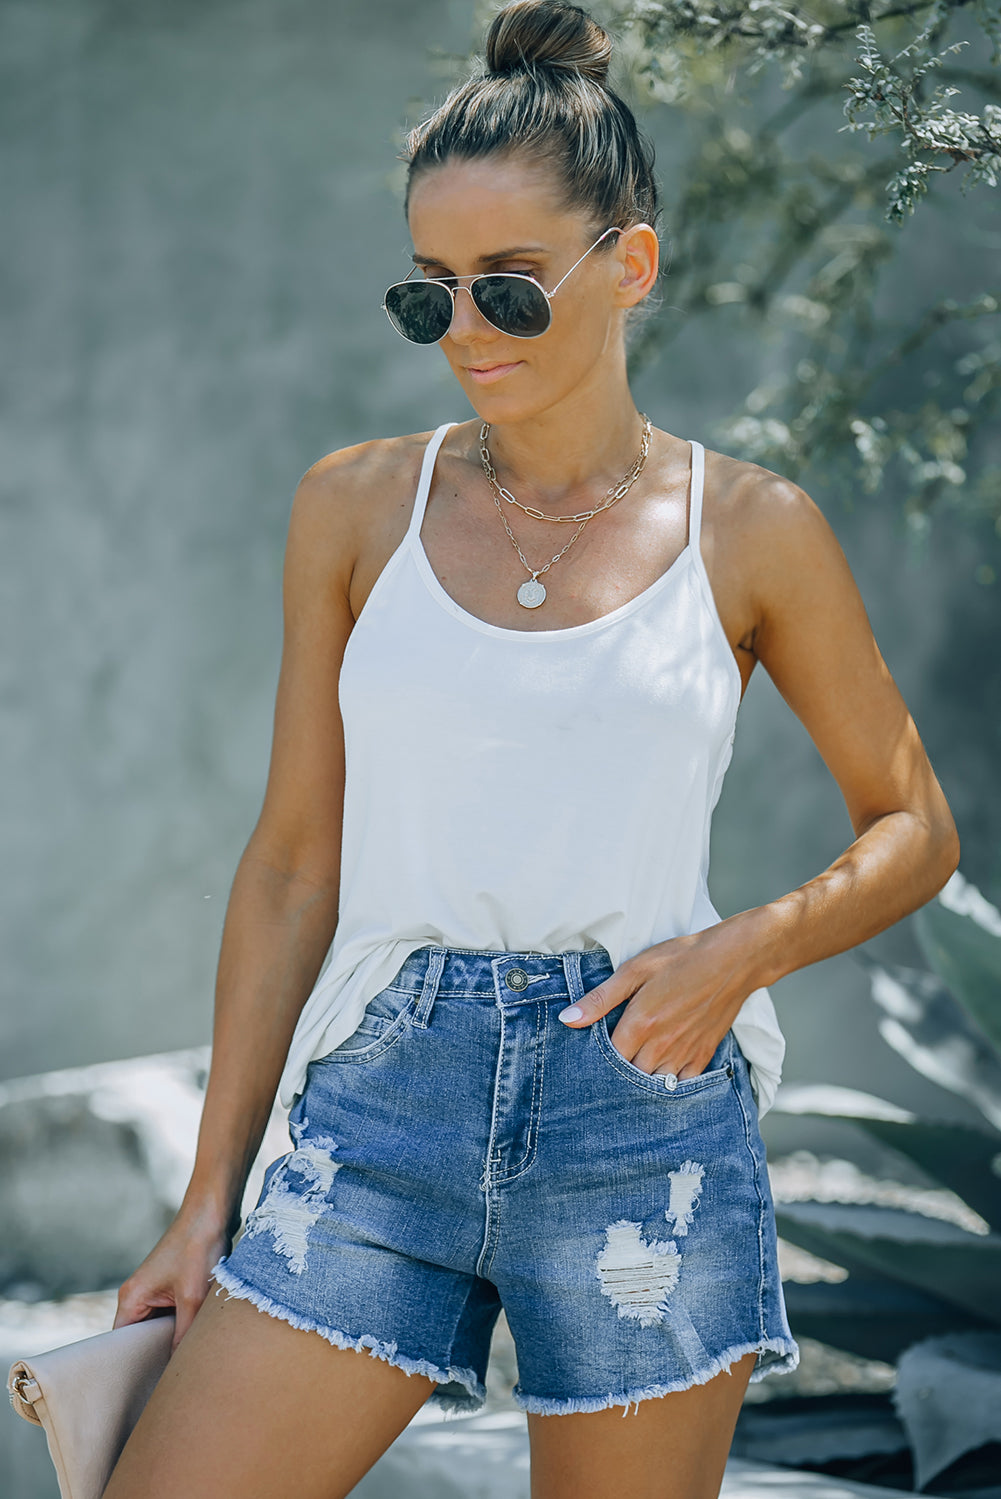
(468, 321)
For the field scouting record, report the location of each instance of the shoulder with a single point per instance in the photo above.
(352, 495)
(769, 521)
(760, 505)
(774, 543)
(771, 551)
(348, 484)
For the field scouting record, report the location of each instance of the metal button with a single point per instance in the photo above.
(516, 979)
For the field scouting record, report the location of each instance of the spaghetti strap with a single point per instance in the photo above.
(695, 503)
(424, 485)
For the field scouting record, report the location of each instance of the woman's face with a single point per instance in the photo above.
(503, 213)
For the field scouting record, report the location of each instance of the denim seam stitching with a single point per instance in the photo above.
(429, 988)
(707, 1079)
(389, 1037)
(574, 977)
(467, 1298)
(761, 1214)
(511, 1173)
(489, 1243)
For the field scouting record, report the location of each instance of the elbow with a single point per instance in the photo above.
(944, 853)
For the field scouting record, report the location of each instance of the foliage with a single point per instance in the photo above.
(963, 1372)
(921, 1290)
(800, 228)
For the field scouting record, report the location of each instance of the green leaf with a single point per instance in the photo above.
(939, 1258)
(836, 1102)
(960, 934)
(961, 1158)
(948, 1397)
(966, 1160)
(931, 1030)
(870, 1318)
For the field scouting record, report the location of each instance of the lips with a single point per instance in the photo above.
(485, 374)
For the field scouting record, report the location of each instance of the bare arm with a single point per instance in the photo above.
(816, 644)
(812, 635)
(282, 908)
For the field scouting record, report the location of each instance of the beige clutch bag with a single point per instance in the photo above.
(88, 1396)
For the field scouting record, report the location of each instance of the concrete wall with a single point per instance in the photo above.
(201, 214)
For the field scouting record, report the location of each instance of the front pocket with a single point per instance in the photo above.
(384, 1021)
(653, 1082)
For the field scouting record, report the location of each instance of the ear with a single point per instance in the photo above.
(638, 253)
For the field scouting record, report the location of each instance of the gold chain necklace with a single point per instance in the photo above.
(532, 593)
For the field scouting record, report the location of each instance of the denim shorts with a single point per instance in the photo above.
(464, 1151)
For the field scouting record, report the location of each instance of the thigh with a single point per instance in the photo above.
(674, 1447)
(251, 1407)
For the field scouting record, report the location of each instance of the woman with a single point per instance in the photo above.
(532, 1072)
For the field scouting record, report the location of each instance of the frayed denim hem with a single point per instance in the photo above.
(786, 1359)
(458, 1391)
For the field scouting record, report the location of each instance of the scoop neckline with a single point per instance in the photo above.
(445, 600)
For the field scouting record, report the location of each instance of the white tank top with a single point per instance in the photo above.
(528, 790)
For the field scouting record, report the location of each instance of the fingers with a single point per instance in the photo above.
(598, 1001)
(655, 1034)
(185, 1311)
(635, 1038)
(137, 1305)
(134, 1304)
(140, 1310)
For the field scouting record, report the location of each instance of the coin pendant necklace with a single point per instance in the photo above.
(532, 593)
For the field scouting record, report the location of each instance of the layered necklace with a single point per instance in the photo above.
(532, 593)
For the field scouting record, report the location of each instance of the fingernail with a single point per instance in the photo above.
(573, 1013)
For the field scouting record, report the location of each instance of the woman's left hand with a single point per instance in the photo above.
(683, 994)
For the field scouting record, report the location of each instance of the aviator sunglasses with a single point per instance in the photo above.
(511, 301)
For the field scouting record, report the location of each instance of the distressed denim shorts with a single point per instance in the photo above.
(464, 1151)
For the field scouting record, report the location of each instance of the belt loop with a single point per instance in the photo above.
(575, 982)
(432, 978)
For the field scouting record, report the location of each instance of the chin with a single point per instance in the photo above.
(528, 394)
(495, 407)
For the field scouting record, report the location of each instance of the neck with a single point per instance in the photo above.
(580, 446)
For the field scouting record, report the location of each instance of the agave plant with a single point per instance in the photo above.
(920, 1291)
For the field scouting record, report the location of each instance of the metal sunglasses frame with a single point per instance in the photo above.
(492, 275)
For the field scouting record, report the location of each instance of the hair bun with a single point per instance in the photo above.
(547, 34)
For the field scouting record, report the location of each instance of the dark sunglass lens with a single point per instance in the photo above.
(513, 304)
(420, 310)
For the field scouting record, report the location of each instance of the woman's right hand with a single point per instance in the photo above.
(175, 1274)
